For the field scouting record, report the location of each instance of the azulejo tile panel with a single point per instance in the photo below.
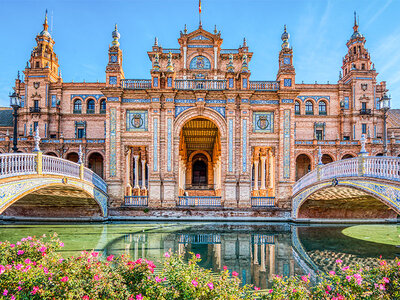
(180, 109)
(230, 150)
(113, 142)
(136, 120)
(263, 122)
(169, 144)
(155, 144)
(286, 143)
(219, 109)
(244, 146)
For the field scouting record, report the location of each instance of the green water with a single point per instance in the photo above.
(255, 251)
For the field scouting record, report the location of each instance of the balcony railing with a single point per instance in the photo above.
(204, 201)
(102, 111)
(365, 111)
(200, 84)
(136, 83)
(90, 111)
(77, 111)
(264, 85)
(262, 201)
(136, 200)
(34, 109)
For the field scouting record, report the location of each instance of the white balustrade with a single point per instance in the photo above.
(264, 85)
(200, 84)
(17, 164)
(384, 167)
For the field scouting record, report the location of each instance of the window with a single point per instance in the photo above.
(346, 102)
(35, 125)
(354, 50)
(103, 106)
(297, 108)
(362, 66)
(346, 138)
(309, 108)
(36, 103)
(90, 107)
(322, 108)
(364, 128)
(319, 134)
(77, 106)
(363, 105)
(80, 133)
(37, 64)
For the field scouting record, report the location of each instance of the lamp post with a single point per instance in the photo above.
(15, 103)
(384, 106)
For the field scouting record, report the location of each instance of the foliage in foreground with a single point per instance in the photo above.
(33, 269)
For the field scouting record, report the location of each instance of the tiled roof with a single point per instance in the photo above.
(393, 118)
(6, 118)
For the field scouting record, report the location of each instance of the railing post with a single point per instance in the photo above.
(81, 164)
(39, 157)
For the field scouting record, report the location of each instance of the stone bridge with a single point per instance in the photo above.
(363, 187)
(32, 184)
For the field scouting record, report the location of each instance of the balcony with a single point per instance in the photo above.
(34, 109)
(263, 85)
(77, 111)
(322, 113)
(137, 84)
(90, 111)
(200, 84)
(365, 111)
(102, 111)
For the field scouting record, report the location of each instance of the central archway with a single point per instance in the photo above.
(199, 158)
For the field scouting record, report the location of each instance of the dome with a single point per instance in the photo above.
(45, 33)
(115, 33)
(356, 34)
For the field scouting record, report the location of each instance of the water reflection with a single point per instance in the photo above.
(255, 251)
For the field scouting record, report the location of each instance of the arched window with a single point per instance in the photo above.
(200, 63)
(322, 108)
(90, 107)
(77, 106)
(103, 106)
(309, 108)
(297, 108)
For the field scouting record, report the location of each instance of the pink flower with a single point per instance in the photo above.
(383, 263)
(20, 252)
(339, 261)
(95, 254)
(19, 243)
(42, 249)
(304, 278)
(386, 280)
(256, 288)
(398, 263)
(5, 293)
(382, 287)
(2, 269)
(332, 272)
(35, 289)
(348, 278)
(345, 268)
(294, 291)
(64, 279)
(198, 256)
(158, 279)
(19, 288)
(270, 291)
(86, 297)
(110, 257)
(61, 244)
(195, 283)
(328, 287)
(29, 238)
(27, 261)
(139, 297)
(166, 254)
(12, 297)
(210, 285)
(96, 277)
(235, 273)
(225, 268)
(12, 245)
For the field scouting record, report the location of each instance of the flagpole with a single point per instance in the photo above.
(199, 13)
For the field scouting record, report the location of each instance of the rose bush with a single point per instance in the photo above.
(34, 269)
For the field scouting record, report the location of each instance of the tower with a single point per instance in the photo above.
(286, 73)
(114, 71)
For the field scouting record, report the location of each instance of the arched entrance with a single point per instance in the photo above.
(346, 156)
(51, 154)
(326, 159)
(73, 156)
(303, 165)
(199, 158)
(96, 163)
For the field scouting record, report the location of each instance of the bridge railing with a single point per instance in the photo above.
(16, 164)
(367, 166)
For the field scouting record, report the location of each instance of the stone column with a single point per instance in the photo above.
(255, 254)
(143, 174)
(136, 171)
(256, 175)
(128, 191)
(271, 261)
(262, 269)
(263, 159)
(271, 172)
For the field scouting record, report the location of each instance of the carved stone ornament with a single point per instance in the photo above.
(36, 85)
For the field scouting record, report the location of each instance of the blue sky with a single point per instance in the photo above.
(319, 30)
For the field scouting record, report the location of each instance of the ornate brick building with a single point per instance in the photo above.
(200, 131)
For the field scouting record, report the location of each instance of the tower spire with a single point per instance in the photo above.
(45, 24)
(355, 27)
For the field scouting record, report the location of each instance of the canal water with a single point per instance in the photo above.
(256, 251)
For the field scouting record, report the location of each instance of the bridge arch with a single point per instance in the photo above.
(355, 188)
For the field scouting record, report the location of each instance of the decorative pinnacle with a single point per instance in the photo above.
(80, 153)
(155, 42)
(244, 42)
(285, 38)
(185, 30)
(355, 27)
(363, 152)
(115, 35)
(45, 25)
(215, 29)
(37, 140)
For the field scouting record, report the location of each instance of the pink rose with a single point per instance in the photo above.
(195, 283)
(386, 280)
(256, 288)
(5, 293)
(86, 297)
(304, 278)
(210, 285)
(35, 289)
(166, 254)
(225, 268)
(20, 252)
(139, 297)
(339, 261)
(235, 273)
(158, 279)
(110, 257)
(2, 269)
(95, 254)
(61, 244)
(198, 256)
(270, 291)
(332, 272)
(64, 279)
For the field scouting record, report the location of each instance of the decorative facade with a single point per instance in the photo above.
(199, 131)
